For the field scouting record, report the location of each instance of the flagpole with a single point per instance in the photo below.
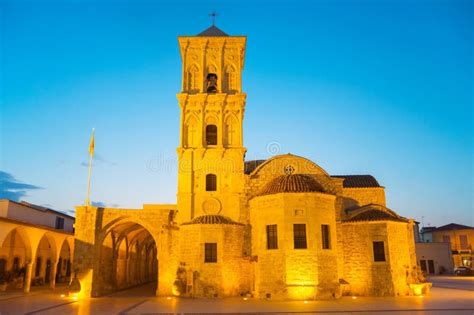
(91, 154)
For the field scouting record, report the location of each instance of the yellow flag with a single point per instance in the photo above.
(91, 145)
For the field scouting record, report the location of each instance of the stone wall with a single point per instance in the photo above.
(389, 277)
(286, 272)
(355, 197)
(401, 250)
(229, 276)
(365, 277)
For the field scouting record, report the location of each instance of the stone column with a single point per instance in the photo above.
(54, 269)
(28, 275)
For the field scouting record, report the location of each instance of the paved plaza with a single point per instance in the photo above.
(450, 295)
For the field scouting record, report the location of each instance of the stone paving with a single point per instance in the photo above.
(140, 300)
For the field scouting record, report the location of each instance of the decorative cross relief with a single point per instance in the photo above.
(289, 169)
(192, 136)
(230, 134)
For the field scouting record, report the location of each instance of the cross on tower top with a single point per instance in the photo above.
(213, 16)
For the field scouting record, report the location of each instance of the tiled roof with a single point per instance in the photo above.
(291, 183)
(453, 226)
(373, 212)
(212, 31)
(358, 181)
(212, 219)
(250, 166)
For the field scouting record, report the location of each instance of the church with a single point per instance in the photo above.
(281, 228)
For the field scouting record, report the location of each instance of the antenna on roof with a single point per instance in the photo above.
(213, 15)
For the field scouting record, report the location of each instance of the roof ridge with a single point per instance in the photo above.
(212, 31)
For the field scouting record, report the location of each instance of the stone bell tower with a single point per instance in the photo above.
(211, 153)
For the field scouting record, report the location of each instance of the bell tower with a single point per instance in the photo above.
(211, 176)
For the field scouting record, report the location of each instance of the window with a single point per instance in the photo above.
(38, 267)
(211, 182)
(326, 238)
(211, 135)
(272, 237)
(210, 252)
(463, 242)
(299, 236)
(379, 251)
(59, 223)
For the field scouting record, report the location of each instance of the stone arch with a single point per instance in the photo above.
(23, 239)
(280, 164)
(64, 263)
(211, 119)
(277, 163)
(212, 68)
(46, 254)
(124, 257)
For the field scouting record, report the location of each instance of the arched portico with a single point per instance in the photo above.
(30, 253)
(120, 248)
(128, 257)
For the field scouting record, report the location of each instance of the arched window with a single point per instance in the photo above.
(211, 134)
(211, 182)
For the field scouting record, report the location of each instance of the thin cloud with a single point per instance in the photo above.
(13, 189)
(98, 158)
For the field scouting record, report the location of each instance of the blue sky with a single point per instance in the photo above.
(359, 87)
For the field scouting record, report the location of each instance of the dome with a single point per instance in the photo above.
(212, 219)
(291, 183)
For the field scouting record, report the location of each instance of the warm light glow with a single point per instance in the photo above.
(245, 299)
(175, 291)
(354, 297)
(421, 296)
(62, 295)
(168, 298)
(305, 302)
(417, 288)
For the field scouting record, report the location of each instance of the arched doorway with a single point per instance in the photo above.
(13, 257)
(128, 257)
(45, 255)
(63, 268)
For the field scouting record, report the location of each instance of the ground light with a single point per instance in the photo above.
(305, 302)
(354, 297)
